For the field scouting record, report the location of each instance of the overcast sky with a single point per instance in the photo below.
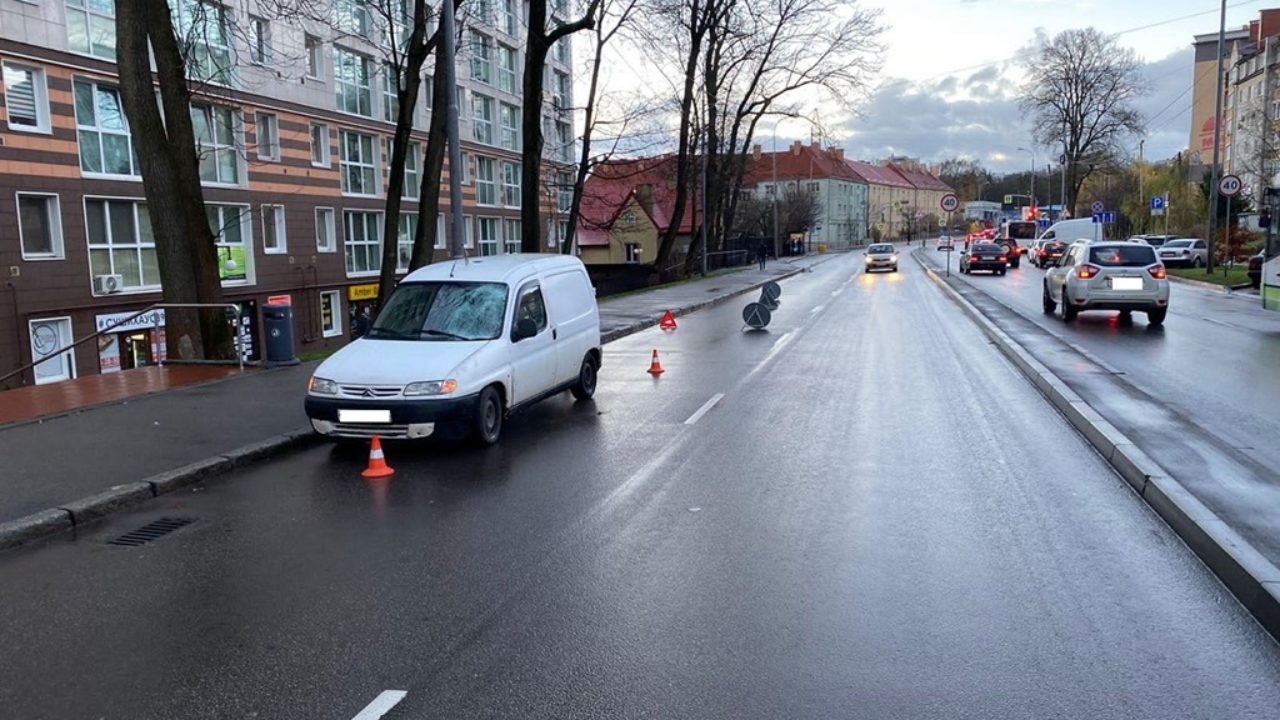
(950, 73)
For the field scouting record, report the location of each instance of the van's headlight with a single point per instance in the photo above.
(430, 387)
(320, 386)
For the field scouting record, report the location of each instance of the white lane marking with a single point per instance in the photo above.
(386, 700)
(834, 293)
(704, 409)
(817, 309)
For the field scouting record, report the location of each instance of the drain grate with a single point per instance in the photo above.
(149, 532)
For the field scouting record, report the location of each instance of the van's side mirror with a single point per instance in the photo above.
(525, 328)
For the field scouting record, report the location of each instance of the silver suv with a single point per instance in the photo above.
(1108, 276)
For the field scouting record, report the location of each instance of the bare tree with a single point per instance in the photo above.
(164, 144)
(538, 43)
(798, 211)
(1080, 93)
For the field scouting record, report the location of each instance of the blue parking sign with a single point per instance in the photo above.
(1157, 202)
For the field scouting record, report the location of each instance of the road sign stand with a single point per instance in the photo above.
(950, 244)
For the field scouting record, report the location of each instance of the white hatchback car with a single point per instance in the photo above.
(460, 345)
(881, 256)
(1108, 276)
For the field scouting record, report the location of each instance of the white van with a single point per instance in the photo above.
(1068, 231)
(459, 345)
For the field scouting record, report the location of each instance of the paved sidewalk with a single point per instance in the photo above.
(53, 462)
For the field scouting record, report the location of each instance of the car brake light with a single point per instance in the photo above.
(1158, 272)
(1002, 258)
(1087, 271)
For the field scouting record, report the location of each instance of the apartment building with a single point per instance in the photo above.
(294, 121)
(1251, 107)
(840, 190)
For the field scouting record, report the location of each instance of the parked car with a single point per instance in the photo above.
(880, 257)
(1255, 269)
(1108, 276)
(1048, 253)
(460, 346)
(1184, 253)
(984, 256)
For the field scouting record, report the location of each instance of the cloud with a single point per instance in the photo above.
(978, 117)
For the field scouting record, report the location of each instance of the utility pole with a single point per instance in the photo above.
(775, 187)
(1217, 143)
(448, 46)
(1142, 193)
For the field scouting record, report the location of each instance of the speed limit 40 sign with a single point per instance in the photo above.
(1230, 185)
(950, 203)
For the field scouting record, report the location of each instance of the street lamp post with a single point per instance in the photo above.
(1217, 143)
(1032, 197)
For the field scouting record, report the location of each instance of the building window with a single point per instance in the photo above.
(564, 142)
(326, 232)
(633, 252)
(468, 232)
(207, 40)
(215, 131)
(510, 116)
(26, 98)
(330, 313)
(461, 95)
(560, 90)
(353, 82)
(511, 185)
(39, 227)
(486, 182)
(315, 61)
(481, 58)
(814, 188)
(482, 120)
(50, 337)
(358, 164)
(440, 236)
(481, 12)
(268, 136)
(562, 45)
(259, 40)
(121, 243)
(274, 240)
(511, 235)
(352, 17)
(428, 92)
(507, 70)
(412, 178)
(91, 27)
(511, 17)
(390, 93)
(319, 145)
(363, 242)
(103, 133)
(564, 192)
(231, 236)
(404, 240)
(466, 168)
(488, 235)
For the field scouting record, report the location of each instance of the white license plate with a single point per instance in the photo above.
(1123, 283)
(364, 416)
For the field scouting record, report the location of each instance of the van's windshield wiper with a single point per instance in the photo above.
(388, 332)
(444, 334)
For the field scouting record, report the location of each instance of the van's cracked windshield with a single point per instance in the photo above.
(653, 359)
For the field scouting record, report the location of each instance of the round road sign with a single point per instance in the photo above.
(771, 290)
(1097, 206)
(1230, 185)
(950, 203)
(756, 315)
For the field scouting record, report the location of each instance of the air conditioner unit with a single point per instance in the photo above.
(107, 284)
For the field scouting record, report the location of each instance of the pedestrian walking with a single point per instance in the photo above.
(762, 254)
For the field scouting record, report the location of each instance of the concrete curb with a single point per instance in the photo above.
(1202, 284)
(1252, 578)
(74, 514)
(84, 510)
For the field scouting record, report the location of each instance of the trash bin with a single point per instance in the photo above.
(277, 322)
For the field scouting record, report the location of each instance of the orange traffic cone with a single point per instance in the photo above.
(668, 321)
(378, 467)
(655, 367)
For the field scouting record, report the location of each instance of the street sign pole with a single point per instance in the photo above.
(1217, 139)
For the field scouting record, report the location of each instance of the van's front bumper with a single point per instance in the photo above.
(410, 419)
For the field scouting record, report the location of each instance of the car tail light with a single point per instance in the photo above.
(1158, 272)
(1087, 271)
(1002, 258)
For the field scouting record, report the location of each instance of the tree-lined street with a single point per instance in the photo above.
(862, 512)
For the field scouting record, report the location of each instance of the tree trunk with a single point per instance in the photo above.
(166, 151)
(584, 162)
(697, 29)
(424, 240)
(415, 57)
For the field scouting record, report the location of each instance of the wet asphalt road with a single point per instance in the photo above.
(1200, 394)
(879, 518)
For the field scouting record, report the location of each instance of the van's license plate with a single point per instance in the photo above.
(364, 416)
(1122, 283)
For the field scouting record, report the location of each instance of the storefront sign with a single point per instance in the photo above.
(279, 300)
(115, 322)
(362, 292)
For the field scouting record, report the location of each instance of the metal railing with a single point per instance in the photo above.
(158, 306)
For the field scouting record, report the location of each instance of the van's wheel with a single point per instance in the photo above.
(488, 421)
(587, 376)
